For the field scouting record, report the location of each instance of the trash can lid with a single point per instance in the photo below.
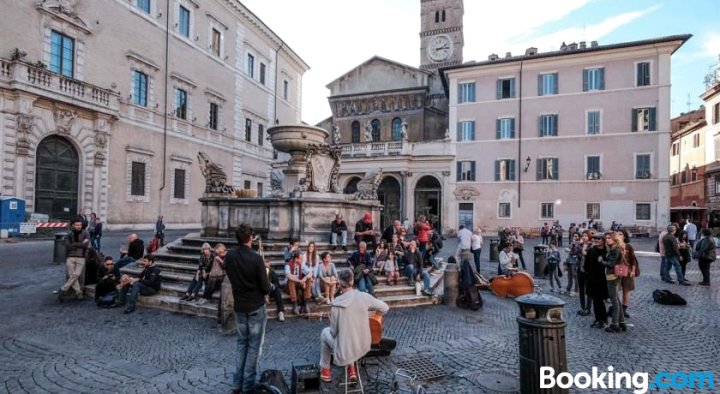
(539, 299)
(538, 247)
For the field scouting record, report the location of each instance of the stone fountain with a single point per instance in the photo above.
(305, 196)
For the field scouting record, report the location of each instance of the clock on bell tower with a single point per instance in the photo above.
(441, 33)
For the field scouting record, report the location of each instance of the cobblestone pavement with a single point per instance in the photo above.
(72, 347)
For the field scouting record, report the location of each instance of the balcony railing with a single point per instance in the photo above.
(18, 73)
(372, 149)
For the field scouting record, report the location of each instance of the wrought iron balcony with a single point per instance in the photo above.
(25, 76)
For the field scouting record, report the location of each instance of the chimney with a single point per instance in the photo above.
(508, 55)
(563, 47)
(573, 46)
(583, 45)
(593, 44)
(531, 51)
(493, 57)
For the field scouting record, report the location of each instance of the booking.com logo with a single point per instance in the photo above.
(638, 381)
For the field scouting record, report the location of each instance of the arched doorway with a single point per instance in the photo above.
(351, 187)
(428, 200)
(56, 185)
(389, 196)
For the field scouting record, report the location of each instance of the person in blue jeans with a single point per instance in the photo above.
(553, 262)
(414, 268)
(672, 258)
(246, 272)
(362, 265)
(148, 284)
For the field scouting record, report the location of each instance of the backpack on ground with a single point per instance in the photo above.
(108, 300)
(272, 382)
(666, 297)
(469, 296)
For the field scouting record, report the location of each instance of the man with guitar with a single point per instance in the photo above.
(348, 338)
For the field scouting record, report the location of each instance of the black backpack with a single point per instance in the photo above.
(272, 382)
(469, 297)
(666, 297)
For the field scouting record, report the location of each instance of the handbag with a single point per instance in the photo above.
(621, 270)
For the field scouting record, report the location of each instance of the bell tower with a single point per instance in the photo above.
(441, 33)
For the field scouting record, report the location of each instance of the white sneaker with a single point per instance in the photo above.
(572, 294)
(202, 301)
(281, 316)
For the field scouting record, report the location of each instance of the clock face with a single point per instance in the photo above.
(439, 48)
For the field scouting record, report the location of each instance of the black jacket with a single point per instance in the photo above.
(388, 233)
(415, 259)
(670, 243)
(595, 273)
(75, 243)
(136, 249)
(338, 228)
(250, 283)
(150, 277)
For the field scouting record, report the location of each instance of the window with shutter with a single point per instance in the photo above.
(547, 84)
(137, 181)
(547, 210)
(181, 104)
(466, 131)
(548, 125)
(643, 119)
(179, 187)
(592, 211)
(643, 74)
(504, 210)
(505, 88)
(466, 170)
(593, 168)
(547, 169)
(505, 128)
(593, 79)
(355, 131)
(593, 122)
(642, 211)
(642, 166)
(466, 92)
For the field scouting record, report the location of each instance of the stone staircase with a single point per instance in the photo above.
(178, 261)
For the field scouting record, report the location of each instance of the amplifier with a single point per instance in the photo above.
(305, 378)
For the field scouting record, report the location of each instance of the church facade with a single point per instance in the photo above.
(105, 106)
(395, 116)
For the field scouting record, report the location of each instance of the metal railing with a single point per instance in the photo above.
(372, 149)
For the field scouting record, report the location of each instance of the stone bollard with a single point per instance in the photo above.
(452, 283)
(226, 313)
(541, 340)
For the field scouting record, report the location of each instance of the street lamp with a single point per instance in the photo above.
(527, 163)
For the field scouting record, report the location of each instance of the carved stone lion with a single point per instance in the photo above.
(368, 186)
(215, 177)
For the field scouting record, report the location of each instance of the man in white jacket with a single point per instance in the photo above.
(348, 337)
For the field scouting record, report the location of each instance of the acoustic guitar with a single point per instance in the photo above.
(376, 328)
(517, 285)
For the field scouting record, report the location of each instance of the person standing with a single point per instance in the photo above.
(672, 257)
(250, 284)
(706, 255)
(615, 256)
(596, 283)
(553, 262)
(628, 282)
(476, 247)
(160, 230)
(518, 243)
(422, 230)
(465, 245)
(95, 228)
(691, 230)
(76, 245)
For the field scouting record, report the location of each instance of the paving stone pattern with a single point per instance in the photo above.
(73, 347)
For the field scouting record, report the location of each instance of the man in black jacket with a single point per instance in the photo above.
(250, 284)
(147, 284)
(76, 245)
(338, 229)
(109, 276)
(136, 247)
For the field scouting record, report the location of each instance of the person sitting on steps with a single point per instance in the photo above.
(201, 274)
(147, 284)
(299, 280)
(348, 337)
(338, 229)
(275, 291)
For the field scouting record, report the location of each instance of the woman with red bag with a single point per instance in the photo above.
(614, 271)
(628, 282)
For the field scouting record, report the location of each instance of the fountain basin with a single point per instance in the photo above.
(296, 138)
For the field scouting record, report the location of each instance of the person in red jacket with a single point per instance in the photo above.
(422, 230)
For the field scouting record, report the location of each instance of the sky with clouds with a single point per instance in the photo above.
(334, 36)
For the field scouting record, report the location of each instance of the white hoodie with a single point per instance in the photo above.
(350, 325)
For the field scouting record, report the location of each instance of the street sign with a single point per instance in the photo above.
(28, 228)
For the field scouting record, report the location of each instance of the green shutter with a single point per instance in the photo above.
(556, 78)
(497, 129)
(539, 169)
(602, 78)
(497, 170)
(585, 81)
(653, 124)
(512, 87)
(459, 131)
(555, 124)
(472, 130)
(512, 127)
(498, 89)
(540, 126)
(511, 170)
(540, 85)
(472, 171)
(459, 170)
(633, 117)
(555, 168)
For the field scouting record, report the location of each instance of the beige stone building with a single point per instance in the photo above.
(105, 105)
(576, 134)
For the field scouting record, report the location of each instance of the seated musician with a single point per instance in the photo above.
(348, 337)
(508, 260)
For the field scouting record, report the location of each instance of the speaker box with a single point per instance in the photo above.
(305, 379)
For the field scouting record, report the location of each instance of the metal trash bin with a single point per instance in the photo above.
(540, 261)
(494, 252)
(451, 280)
(60, 251)
(541, 330)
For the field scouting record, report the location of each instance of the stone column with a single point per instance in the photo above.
(23, 128)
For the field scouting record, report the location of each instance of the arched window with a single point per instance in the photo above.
(355, 132)
(375, 130)
(396, 129)
(437, 16)
(443, 16)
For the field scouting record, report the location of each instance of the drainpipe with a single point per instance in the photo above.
(519, 160)
(165, 108)
(277, 69)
